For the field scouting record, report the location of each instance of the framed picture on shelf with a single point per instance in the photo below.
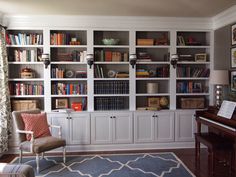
(233, 34)
(200, 57)
(61, 103)
(197, 87)
(233, 57)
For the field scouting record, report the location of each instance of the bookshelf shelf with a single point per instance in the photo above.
(69, 79)
(111, 63)
(152, 46)
(24, 46)
(192, 94)
(68, 46)
(152, 94)
(33, 79)
(111, 79)
(153, 63)
(111, 46)
(69, 62)
(145, 79)
(193, 63)
(25, 63)
(196, 47)
(27, 96)
(111, 95)
(68, 96)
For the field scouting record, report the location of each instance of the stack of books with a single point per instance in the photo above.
(142, 73)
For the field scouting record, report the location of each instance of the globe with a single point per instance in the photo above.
(164, 102)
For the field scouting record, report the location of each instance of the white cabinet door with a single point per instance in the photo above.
(63, 121)
(122, 128)
(101, 128)
(164, 127)
(79, 128)
(143, 127)
(185, 125)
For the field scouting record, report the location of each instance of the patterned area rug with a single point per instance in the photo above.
(122, 165)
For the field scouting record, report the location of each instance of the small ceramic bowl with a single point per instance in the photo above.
(110, 41)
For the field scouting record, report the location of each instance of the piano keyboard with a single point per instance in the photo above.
(219, 124)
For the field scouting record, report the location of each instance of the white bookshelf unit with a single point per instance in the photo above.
(116, 100)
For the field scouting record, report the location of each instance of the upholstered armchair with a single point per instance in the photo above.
(34, 145)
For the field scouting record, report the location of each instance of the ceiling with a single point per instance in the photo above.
(161, 8)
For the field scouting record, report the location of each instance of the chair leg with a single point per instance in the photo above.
(64, 154)
(42, 157)
(37, 163)
(20, 154)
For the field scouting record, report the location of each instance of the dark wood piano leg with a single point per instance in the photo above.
(210, 162)
(197, 157)
(233, 169)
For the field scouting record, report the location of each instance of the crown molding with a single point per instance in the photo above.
(225, 18)
(125, 22)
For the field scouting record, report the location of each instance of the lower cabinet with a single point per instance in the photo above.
(185, 125)
(75, 127)
(107, 128)
(153, 127)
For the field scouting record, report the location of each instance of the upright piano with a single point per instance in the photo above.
(220, 125)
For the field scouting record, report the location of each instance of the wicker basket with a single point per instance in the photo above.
(192, 103)
(20, 105)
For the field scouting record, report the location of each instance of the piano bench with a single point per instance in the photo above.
(216, 145)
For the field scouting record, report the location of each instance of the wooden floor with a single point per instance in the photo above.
(186, 155)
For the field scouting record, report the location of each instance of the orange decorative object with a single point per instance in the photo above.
(76, 106)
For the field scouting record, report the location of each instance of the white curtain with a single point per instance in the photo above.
(5, 106)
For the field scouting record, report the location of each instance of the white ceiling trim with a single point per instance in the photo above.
(225, 18)
(108, 22)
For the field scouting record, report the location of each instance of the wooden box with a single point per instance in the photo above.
(192, 103)
(20, 105)
(145, 41)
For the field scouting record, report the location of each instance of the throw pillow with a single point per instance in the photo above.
(36, 123)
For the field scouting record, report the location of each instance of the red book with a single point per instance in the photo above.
(71, 89)
(108, 55)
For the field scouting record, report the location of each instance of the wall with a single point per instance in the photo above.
(222, 45)
(222, 55)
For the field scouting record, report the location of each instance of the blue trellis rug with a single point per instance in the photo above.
(120, 165)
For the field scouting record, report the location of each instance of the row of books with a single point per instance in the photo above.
(159, 72)
(24, 39)
(63, 39)
(111, 87)
(189, 87)
(163, 71)
(26, 89)
(77, 56)
(188, 71)
(101, 55)
(27, 55)
(188, 41)
(59, 72)
(110, 103)
(69, 88)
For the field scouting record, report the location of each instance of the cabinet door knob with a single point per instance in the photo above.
(111, 117)
(156, 116)
(114, 117)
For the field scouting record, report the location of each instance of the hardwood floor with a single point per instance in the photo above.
(186, 155)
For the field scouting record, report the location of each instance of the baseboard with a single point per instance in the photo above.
(120, 147)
